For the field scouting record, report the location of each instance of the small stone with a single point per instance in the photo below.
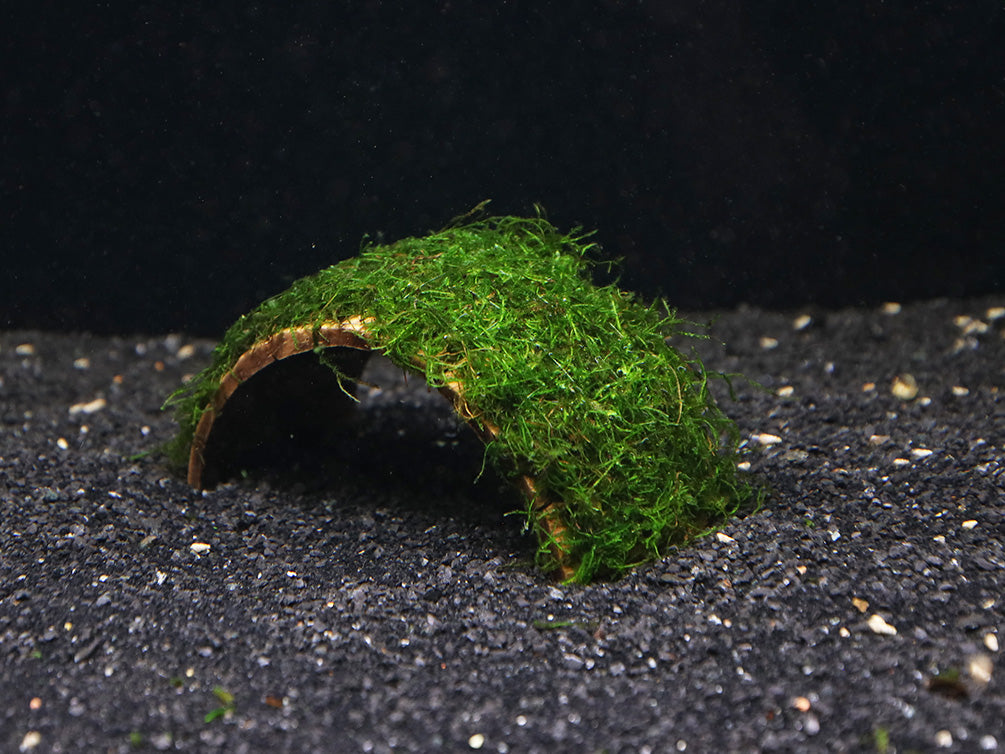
(88, 407)
(785, 391)
(943, 739)
(868, 387)
(879, 439)
(25, 349)
(995, 312)
(891, 307)
(969, 524)
(980, 666)
(724, 538)
(801, 703)
(802, 322)
(766, 439)
(767, 343)
(878, 625)
(959, 391)
(921, 452)
(82, 363)
(476, 741)
(988, 743)
(199, 547)
(186, 352)
(991, 642)
(898, 462)
(62, 444)
(904, 387)
(860, 604)
(31, 739)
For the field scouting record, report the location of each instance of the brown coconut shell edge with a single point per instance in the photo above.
(353, 333)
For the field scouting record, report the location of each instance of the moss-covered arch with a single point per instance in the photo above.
(609, 431)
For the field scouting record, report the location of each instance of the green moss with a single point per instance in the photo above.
(584, 393)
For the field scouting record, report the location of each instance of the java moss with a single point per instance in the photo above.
(572, 384)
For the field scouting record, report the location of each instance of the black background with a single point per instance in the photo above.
(166, 168)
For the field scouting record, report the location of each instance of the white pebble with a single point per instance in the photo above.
(476, 741)
(25, 349)
(199, 547)
(802, 322)
(991, 642)
(724, 538)
(785, 391)
(959, 391)
(31, 739)
(995, 312)
(879, 626)
(891, 307)
(766, 439)
(989, 743)
(943, 739)
(969, 524)
(62, 444)
(921, 452)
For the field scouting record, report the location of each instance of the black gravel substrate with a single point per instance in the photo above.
(386, 603)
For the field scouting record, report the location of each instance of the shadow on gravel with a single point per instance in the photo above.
(292, 428)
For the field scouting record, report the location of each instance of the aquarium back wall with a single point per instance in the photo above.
(164, 169)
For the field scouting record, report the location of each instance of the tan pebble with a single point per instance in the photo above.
(868, 387)
(766, 439)
(25, 349)
(35, 703)
(879, 439)
(995, 312)
(801, 703)
(901, 462)
(904, 387)
(940, 538)
(969, 524)
(767, 343)
(860, 604)
(980, 667)
(90, 407)
(62, 444)
(959, 391)
(785, 391)
(991, 641)
(476, 741)
(943, 739)
(186, 352)
(891, 307)
(31, 739)
(725, 538)
(976, 327)
(801, 569)
(802, 322)
(878, 625)
(844, 632)
(82, 363)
